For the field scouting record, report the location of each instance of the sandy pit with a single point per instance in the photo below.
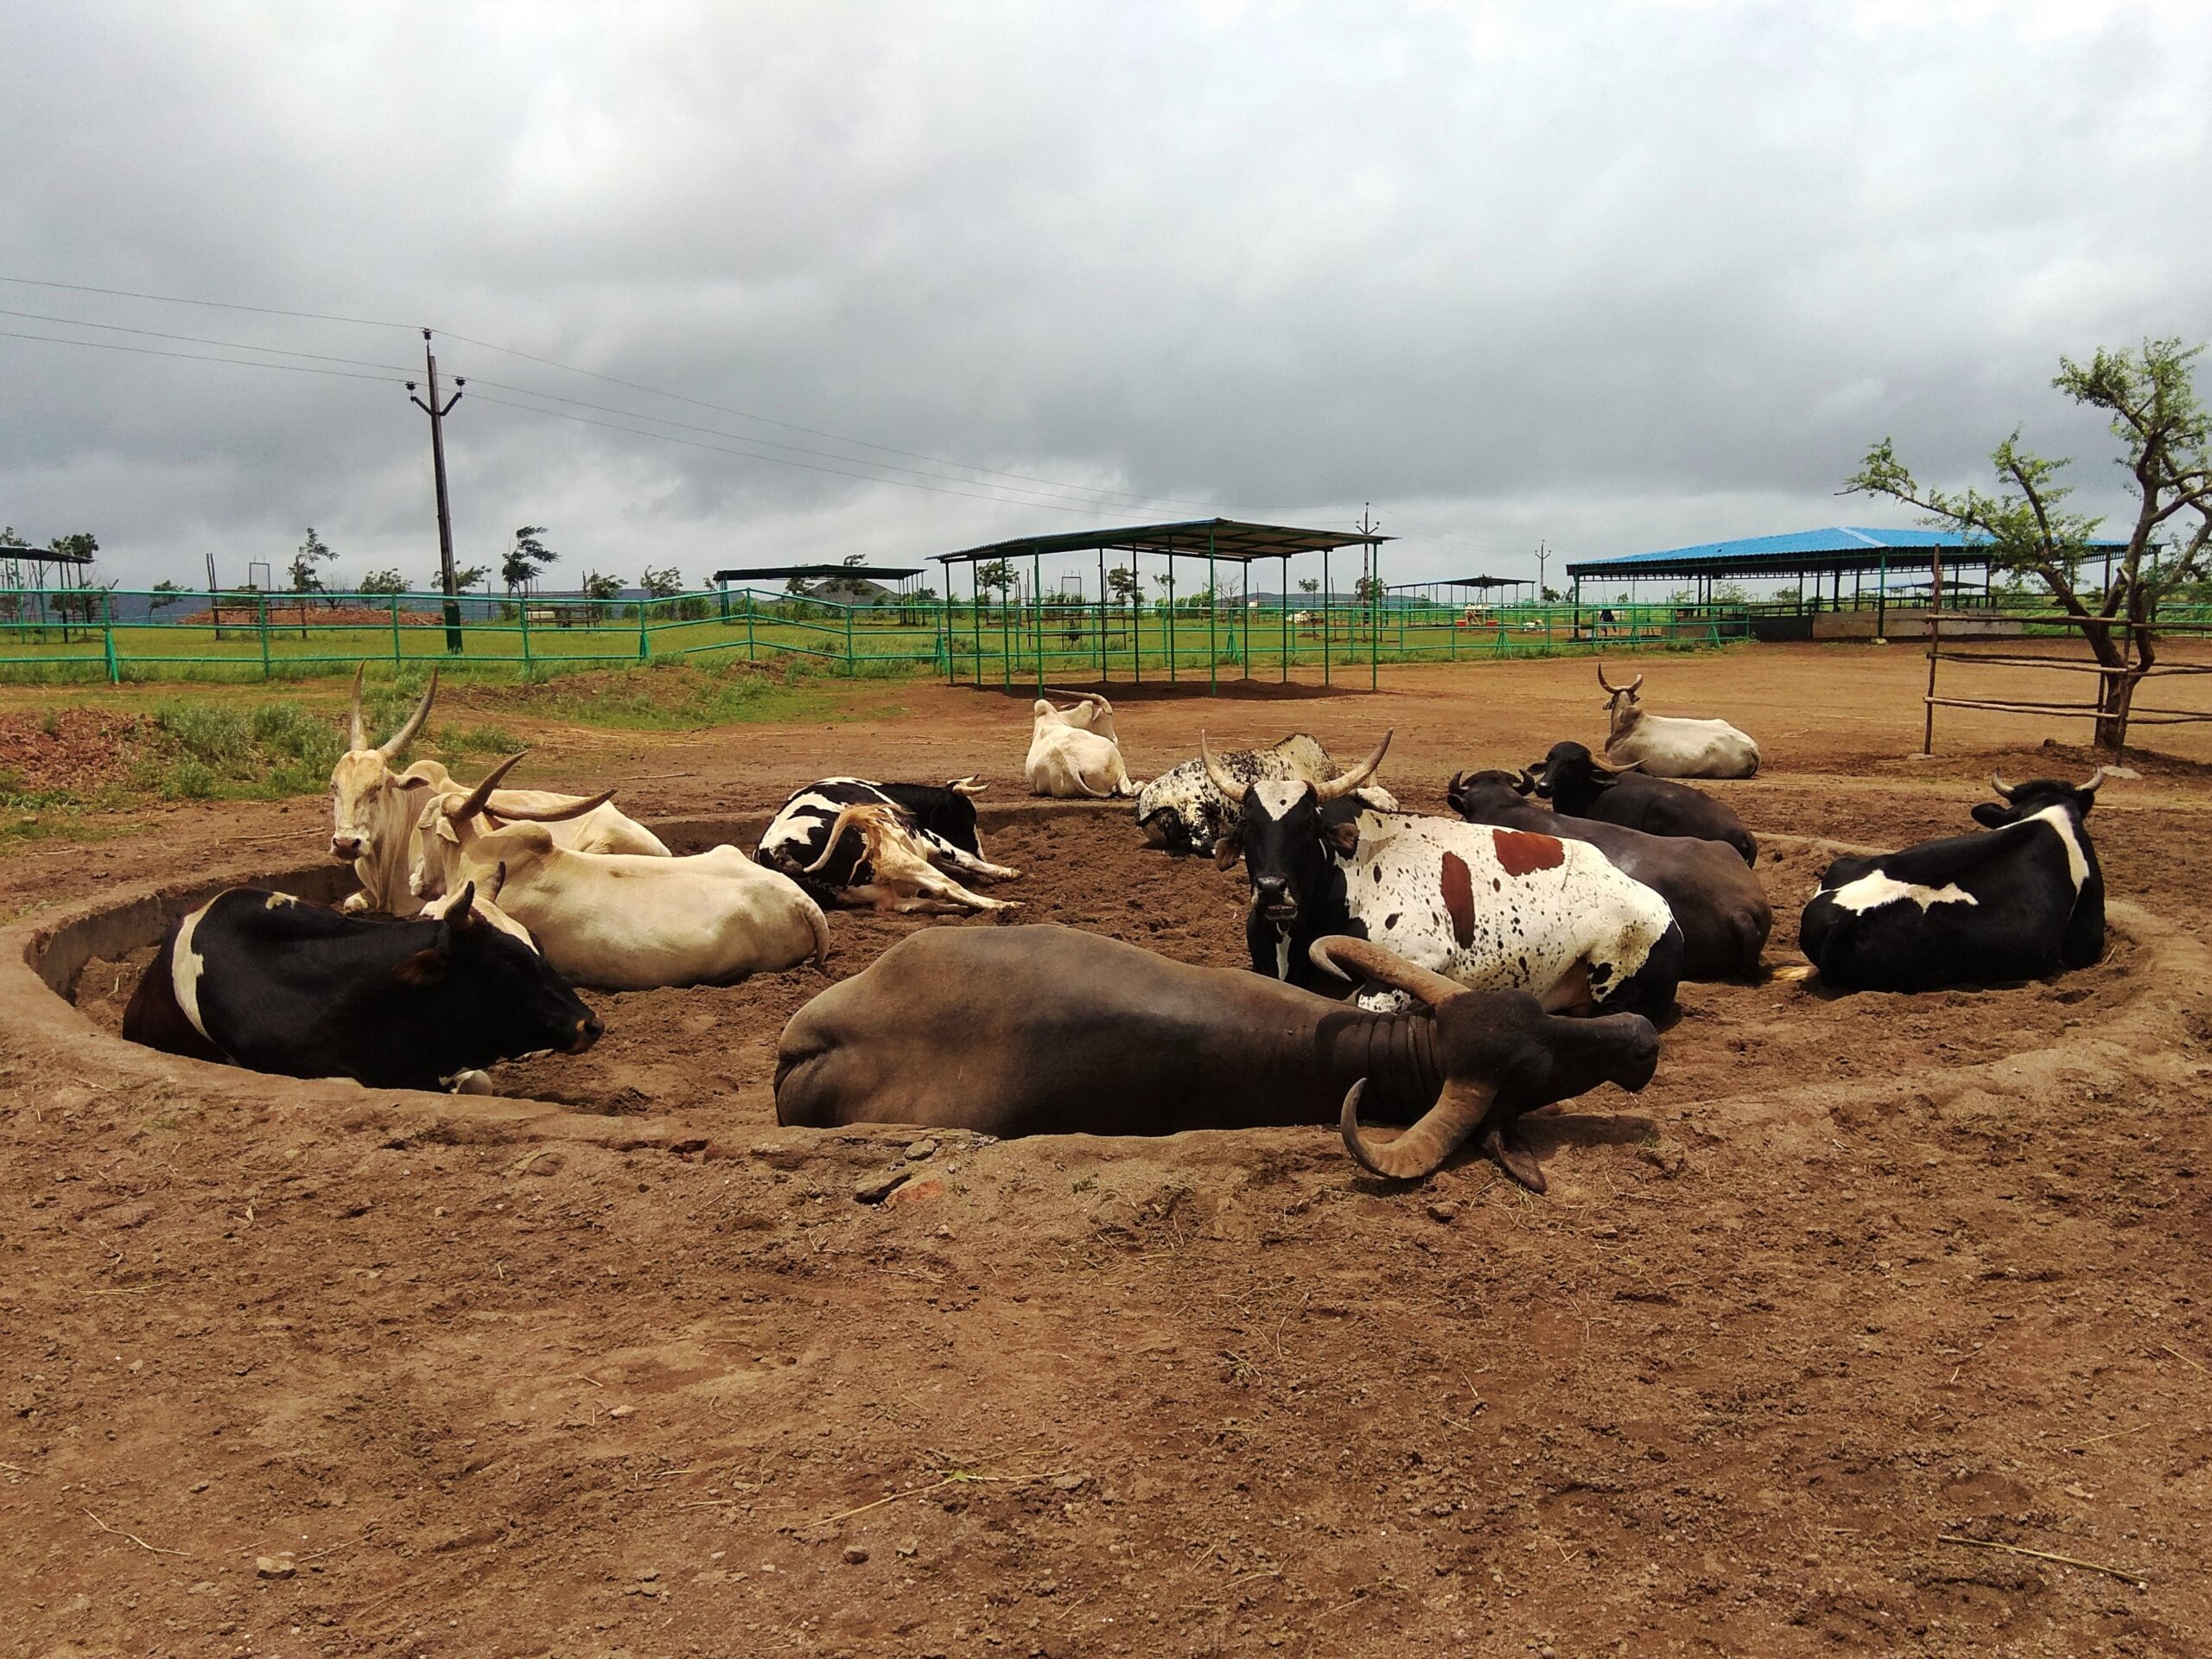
(1854, 1279)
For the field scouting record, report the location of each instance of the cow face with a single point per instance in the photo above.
(2025, 800)
(1285, 837)
(1475, 793)
(1571, 777)
(505, 994)
(360, 781)
(956, 820)
(1621, 709)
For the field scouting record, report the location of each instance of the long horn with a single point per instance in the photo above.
(554, 814)
(2096, 779)
(391, 747)
(1631, 687)
(1222, 781)
(1334, 952)
(1458, 1112)
(479, 796)
(1997, 782)
(355, 737)
(1606, 682)
(1337, 788)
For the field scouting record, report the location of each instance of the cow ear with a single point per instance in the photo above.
(423, 967)
(1228, 850)
(1991, 816)
(1345, 836)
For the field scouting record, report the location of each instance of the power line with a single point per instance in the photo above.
(199, 339)
(187, 357)
(218, 305)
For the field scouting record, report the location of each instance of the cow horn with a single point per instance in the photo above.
(1228, 786)
(969, 786)
(1458, 1112)
(1997, 782)
(1337, 788)
(2096, 779)
(482, 795)
(556, 814)
(1631, 687)
(460, 913)
(498, 884)
(1526, 784)
(1606, 682)
(1332, 953)
(392, 747)
(355, 737)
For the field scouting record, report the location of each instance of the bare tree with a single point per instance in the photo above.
(2163, 429)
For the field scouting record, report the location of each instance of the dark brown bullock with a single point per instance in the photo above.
(1017, 1031)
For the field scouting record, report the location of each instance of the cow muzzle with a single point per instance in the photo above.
(588, 1031)
(345, 848)
(1275, 901)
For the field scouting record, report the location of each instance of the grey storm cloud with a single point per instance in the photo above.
(1615, 276)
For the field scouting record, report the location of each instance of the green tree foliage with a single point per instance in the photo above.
(526, 560)
(165, 594)
(383, 581)
(663, 584)
(2165, 441)
(310, 554)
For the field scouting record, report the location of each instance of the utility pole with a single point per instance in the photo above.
(437, 412)
(1543, 558)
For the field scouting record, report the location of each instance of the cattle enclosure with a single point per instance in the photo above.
(1852, 1276)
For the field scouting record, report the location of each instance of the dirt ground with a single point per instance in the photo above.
(1855, 1279)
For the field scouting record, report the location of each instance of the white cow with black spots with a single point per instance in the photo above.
(1489, 908)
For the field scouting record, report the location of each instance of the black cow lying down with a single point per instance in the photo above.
(1572, 780)
(1016, 1031)
(263, 980)
(2024, 900)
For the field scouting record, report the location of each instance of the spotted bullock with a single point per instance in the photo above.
(1184, 810)
(1488, 907)
(939, 817)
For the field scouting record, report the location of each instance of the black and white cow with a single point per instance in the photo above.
(2024, 900)
(1489, 908)
(263, 980)
(940, 817)
(1716, 898)
(1183, 810)
(1571, 777)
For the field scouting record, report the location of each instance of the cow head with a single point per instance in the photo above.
(1572, 778)
(360, 781)
(491, 995)
(2025, 800)
(1285, 829)
(1622, 710)
(450, 819)
(1501, 1055)
(956, 819)
(1092, 714)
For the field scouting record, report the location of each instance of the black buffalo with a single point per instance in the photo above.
(1577, 784)
(263, 980)
(2024, 900)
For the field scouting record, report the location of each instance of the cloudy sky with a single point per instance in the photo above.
(891, 279)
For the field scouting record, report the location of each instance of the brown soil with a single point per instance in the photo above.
(76, 749)
(1853, 1275)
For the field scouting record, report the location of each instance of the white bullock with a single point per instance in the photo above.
(1666, 746)
(1075, 753)
(626, 922)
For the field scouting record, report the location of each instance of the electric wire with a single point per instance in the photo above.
(192, 357)
(200, 340)
(218, 305)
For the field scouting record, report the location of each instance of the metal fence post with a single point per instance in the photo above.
(750, 655)
(644, 648)
(262, 601)
(848, 642)
(107, 633)
(521, 611)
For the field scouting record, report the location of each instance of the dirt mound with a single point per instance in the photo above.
(71, 749)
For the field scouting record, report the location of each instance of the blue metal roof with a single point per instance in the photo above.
(1841, 547)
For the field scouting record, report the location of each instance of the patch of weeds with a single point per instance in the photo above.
(208, 751)
(459, 742)
(677, 696)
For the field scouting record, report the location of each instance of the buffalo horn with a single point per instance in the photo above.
(1458, 1112)
(1228, 786)
(1527, 784)
(1337, 788)
(355, 737)
(1338, 951)
(392, 747)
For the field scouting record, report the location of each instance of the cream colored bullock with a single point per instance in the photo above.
(1075, 753)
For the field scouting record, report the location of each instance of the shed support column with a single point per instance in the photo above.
(1213, 612)
(1037, 610)
(1171, 618)
(1326, 594)
(1101, 616)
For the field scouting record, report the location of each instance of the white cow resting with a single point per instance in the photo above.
(1668, 747)
(1075, 753)
(627, 922)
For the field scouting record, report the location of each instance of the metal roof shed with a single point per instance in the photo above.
(1214, 540)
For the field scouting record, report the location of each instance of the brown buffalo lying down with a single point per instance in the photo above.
(1016, 1031)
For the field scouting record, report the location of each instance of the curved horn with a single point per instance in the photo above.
(459, 913)
(1334, 952)
(969, 786)
(1997, 782)
(1606, 682)
(555, 814)
(1221, 781)
(1526, 784)
(391, 748)
(2096, 779)
(481, 794)
(355, 737)
(1337, 788)
(1452, 788)
(1631, 687)
(1458, 1112)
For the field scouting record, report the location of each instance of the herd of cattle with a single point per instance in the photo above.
(1456, 973)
